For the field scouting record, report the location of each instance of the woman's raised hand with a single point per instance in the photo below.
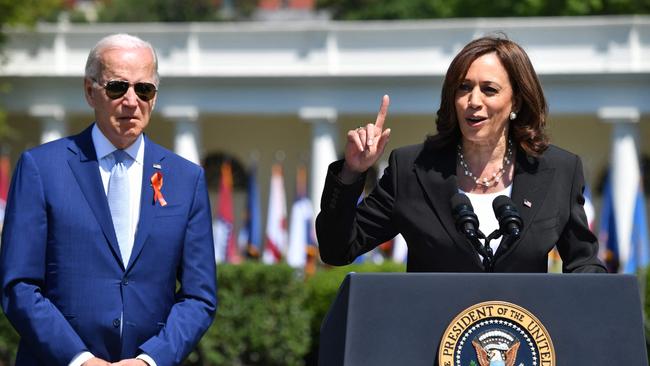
(366, 144)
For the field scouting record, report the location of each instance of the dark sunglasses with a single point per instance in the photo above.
(117, 88)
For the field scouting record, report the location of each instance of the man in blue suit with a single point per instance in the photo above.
(107, 253)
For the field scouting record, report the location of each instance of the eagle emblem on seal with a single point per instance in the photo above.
(496, 348)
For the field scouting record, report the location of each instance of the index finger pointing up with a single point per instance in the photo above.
(383, 111)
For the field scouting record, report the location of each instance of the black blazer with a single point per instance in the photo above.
(413, 198)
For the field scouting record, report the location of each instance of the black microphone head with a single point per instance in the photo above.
(500, 202)
(463, 213)
(510, 223)
(460, 199)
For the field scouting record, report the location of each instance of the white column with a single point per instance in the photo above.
(187, 141)
(323, 147)
(624, 171)
(52, 116)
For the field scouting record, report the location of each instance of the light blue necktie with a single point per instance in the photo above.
(118, 201)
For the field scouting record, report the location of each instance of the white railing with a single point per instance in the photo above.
(348, 49)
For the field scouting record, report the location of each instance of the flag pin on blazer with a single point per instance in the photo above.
(527, 203)
(157, 166)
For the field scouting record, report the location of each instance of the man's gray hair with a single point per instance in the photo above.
(117, 41)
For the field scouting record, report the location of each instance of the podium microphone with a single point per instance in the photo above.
(467, 224)
(464, 216)
(510, 223)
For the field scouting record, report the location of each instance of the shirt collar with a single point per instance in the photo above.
(103, 147)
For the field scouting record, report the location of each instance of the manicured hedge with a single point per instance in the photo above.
(261, 320)
(8, 341)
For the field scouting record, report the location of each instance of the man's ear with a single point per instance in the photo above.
(89, 92)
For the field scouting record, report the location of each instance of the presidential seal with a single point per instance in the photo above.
(496, 333)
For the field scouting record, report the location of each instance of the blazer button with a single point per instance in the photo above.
(125, 281)
(116, 323)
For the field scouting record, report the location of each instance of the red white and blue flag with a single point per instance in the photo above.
(225, 246)
(632, 252)
(4, 183)
(250, 235)
(302, 242)
(275, 240)
(627, 232)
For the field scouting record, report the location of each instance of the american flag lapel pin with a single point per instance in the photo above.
(527, 203)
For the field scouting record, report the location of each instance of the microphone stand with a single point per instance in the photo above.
(505, 243)
(489, 265)
(483, 249)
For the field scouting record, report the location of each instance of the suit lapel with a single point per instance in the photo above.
(436, 173)
(85, 167)
(532, 177)
(153, 155)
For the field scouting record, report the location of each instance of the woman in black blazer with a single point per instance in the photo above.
(490, 142)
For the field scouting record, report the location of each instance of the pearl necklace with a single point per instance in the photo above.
(496, 176)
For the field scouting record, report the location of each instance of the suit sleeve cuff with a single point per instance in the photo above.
(80, 358)
(337, 195)
(334, 170)
(146, 358)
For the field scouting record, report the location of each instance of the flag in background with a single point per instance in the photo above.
(638, 251)
(639, 256)
(302, 243)
(554, 259)
(607, 233)
(275, 241)
(400, 249)
(4, 183)
(226, 248)
(627, 200)
(250, 235)
(590, 211)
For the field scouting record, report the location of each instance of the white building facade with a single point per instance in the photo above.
(291, 90)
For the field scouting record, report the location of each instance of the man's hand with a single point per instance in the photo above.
(95, 361)
(365, 145)
(131, 362)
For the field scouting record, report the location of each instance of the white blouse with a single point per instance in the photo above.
(482, 204)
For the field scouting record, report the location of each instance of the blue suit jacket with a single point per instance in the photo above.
(64, 285)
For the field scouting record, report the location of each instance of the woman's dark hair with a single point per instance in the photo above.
(527, 130)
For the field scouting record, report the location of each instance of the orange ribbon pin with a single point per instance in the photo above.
(156, 183)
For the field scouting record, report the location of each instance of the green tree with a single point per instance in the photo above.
(171, 10)
(24, 12)
(27, 12)
(425, 9)
(262, 319)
